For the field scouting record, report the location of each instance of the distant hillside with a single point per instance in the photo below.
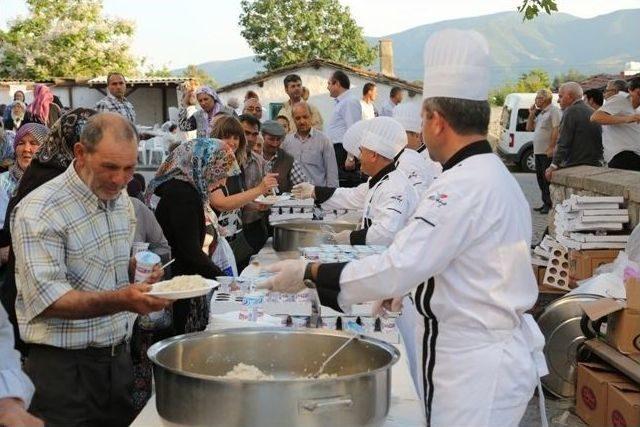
(554, 43)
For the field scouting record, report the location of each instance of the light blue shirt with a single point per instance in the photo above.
(346, 113)
(8, 185)
(13, 382)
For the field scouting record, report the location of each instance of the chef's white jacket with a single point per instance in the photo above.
(388, 200)
(465, 256)
(419, 169)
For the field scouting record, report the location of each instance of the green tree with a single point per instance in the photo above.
(66, 38)
(532, 81)
(570, 76)
(163, 71)
(199, 75)
(532, 8)
(284, 32)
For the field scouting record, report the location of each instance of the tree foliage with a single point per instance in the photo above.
(532, 81)
(163, 71)
(284, 32)
(532, 8)
(200, 76)
(570, 76)
(66, 38)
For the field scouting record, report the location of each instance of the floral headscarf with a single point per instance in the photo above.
(39, 132)
(200, 162)
(42, 99)
(57, 151)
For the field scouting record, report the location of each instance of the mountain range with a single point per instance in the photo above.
(555, 43)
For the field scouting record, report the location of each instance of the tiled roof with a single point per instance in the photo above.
(317, 63)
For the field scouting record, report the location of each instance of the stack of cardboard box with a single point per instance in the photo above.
(606, 398)
(603, 396)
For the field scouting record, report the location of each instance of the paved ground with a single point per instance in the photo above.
(558, 411)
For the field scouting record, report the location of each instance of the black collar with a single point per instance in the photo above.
(380, 175)
(478, 147)
(421, 148)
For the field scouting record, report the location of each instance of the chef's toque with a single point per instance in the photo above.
(382, 135)
(408, 115)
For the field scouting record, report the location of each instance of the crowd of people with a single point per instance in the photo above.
(424, 177)
(588, 128)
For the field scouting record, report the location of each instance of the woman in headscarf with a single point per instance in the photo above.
(53, 158)
(43, 110)
(183, 183)
(200, 121)
(26, 143)
(18, 114)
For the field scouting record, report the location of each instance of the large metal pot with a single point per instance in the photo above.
(189, 390)
(290, 236)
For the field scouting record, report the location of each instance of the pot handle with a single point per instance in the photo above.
(325, 404)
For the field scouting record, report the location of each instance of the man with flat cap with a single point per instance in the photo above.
(464, 255)
(289, 171)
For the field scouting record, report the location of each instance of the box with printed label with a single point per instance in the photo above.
(592, 393)
(583, 263)
(623, 405)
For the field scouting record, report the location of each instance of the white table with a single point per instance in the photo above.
(406, 409)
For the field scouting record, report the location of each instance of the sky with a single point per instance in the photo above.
(175, 33)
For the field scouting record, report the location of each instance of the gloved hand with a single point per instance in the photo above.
(383, 307)
(289, 276)
(341, 238)
(304, 190)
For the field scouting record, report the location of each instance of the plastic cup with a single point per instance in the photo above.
(145, 261)
(139, 247)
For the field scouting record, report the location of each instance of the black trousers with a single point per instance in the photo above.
(542, 163)
(625, 160)
(347, 178)
(81, 387)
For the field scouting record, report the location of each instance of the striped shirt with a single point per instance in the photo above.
(64, 239)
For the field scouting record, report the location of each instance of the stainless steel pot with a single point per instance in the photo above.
(190, 391)
(290, 236)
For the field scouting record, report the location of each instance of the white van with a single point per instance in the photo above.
(515, 143)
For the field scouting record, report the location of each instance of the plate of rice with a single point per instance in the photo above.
(181, 287)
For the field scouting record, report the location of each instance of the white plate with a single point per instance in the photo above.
(272, 200)
(191, 293)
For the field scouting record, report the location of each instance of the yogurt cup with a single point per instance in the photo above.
(145, 261)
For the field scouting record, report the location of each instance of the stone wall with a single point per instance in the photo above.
(594, 181)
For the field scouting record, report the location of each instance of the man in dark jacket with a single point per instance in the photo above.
(278, 161)
(580, 141)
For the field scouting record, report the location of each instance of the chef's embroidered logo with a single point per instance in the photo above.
(439, 198)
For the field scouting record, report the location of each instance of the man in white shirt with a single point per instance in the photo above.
(369, 95)
(16, 389)
(395, 98)
(621, 126)
(346, 112)
(544, 121)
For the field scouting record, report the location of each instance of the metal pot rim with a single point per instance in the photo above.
(161, 345)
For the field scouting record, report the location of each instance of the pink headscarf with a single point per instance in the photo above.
(42, 99)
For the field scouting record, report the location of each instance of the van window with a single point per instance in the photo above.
(521, 123)
(505, 118)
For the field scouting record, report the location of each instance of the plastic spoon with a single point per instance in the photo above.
(332, 356)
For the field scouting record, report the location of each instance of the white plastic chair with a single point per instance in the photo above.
(143, 157)
(158, 149)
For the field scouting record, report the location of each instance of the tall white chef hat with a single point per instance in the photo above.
(408, 115)
(456, 65)
(382, 135)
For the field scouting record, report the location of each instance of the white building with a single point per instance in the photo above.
(151, 96)
(314, 74)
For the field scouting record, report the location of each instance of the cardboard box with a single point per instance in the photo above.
(632, 287)
(592, 392)
(584, 262)
(623, 405)
(623, 331)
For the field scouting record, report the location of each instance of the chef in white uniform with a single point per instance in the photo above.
(387, 198)
(414, 160)
(464, 255)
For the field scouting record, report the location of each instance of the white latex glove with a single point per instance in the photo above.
(304, 190)
(383, 307)
(341, 238)
(289, 276)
